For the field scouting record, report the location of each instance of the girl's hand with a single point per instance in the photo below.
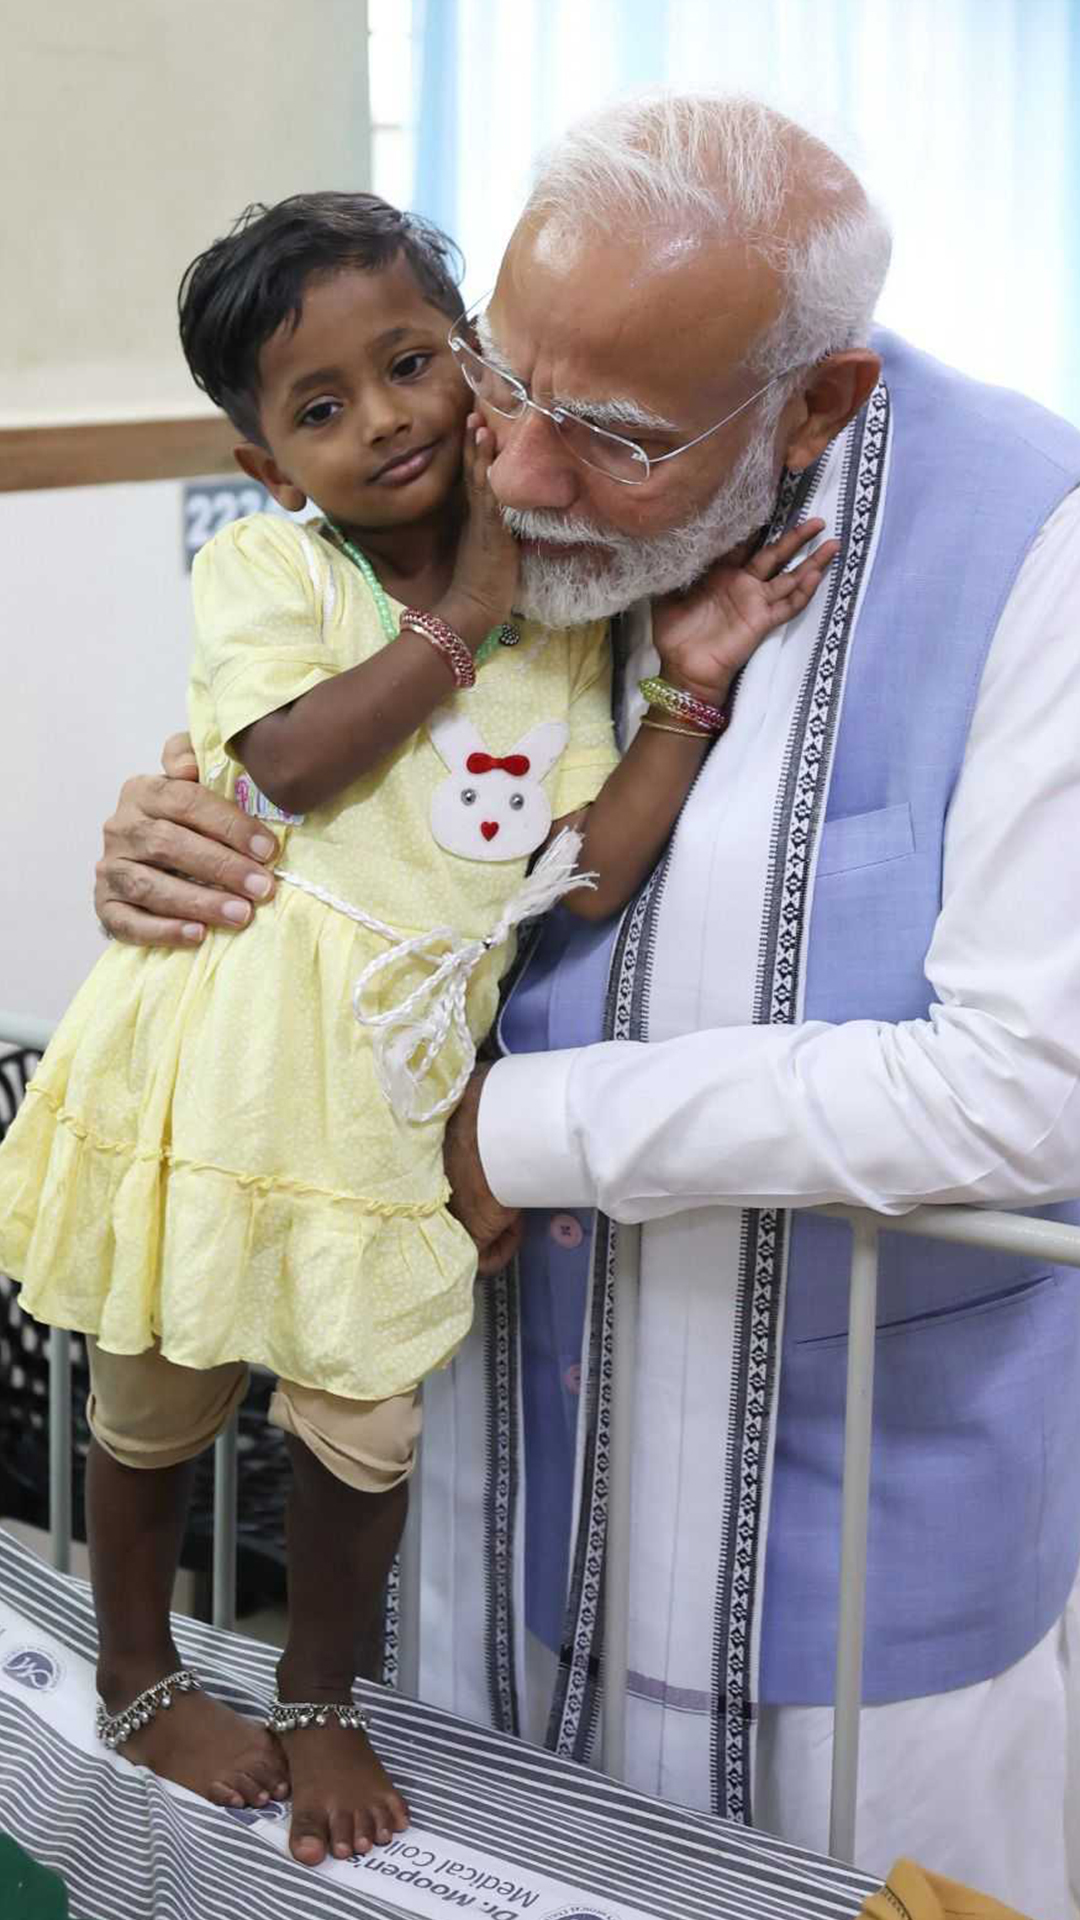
(481, 593)
(703, 637)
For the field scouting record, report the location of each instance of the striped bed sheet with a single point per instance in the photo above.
(503, 1829)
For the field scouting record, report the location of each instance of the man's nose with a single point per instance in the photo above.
(532, 468)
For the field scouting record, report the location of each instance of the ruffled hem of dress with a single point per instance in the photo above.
(358, 1298)
(133, 1153)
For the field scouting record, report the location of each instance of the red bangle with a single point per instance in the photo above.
(445, 641)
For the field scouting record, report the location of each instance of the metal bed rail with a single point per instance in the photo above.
(995, 1230)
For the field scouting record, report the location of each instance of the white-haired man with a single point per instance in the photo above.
(852, 979)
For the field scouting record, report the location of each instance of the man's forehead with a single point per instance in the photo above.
(664, 314)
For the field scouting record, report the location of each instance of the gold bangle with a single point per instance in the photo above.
(685, 733)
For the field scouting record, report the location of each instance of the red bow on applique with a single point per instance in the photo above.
(514, 763)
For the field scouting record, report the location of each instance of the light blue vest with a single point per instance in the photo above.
(975, 1517)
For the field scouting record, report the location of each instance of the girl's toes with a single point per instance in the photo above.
(390, 1816)
(251, 1790)
(269, 1779)
(307, 1838)
(225, 1795)
(364, 1833)
(342, 1843)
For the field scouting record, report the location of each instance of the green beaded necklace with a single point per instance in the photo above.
(499, 636)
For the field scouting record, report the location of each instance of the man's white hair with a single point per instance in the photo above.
(738, 166)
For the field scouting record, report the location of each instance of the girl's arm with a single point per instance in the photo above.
(306, 752)
(703, 639)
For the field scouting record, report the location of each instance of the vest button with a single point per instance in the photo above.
(566, 1231)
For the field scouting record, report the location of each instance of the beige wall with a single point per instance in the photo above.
(131, 133)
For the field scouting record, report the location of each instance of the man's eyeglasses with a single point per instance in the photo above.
(611, 454)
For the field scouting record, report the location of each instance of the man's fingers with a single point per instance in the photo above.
(146, 929)
(162, 844)
(182, 804)
(178, 757)
(500, 1251)
(146, 891)
(178, 859)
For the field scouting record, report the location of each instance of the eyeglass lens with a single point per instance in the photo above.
(605, 452)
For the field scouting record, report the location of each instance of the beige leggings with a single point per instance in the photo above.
(147, 1412)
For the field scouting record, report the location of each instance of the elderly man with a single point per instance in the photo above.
(853, 978)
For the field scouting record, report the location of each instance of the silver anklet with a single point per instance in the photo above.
(115, 1728)
(286, 1716)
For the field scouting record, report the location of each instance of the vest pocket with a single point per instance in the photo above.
(866, 839)
(930, 1319)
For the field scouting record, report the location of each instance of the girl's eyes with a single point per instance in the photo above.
(410, 365)
(319, 413)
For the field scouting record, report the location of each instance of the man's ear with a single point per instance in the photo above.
(835, 390)
(259, 464)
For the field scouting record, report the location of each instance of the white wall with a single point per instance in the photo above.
(95, 640)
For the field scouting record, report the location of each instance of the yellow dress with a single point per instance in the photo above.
(205, 1155)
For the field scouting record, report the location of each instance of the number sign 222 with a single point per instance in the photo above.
(211, 505)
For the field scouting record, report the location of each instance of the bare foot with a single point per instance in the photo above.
(344, 1801)
(202, 1745)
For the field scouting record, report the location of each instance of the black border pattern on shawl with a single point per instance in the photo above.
(764, 1233)
(501, 1363)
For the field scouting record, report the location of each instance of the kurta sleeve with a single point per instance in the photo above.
(979, 1102)
(263, 595)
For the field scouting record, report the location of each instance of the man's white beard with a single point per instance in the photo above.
(566, 593)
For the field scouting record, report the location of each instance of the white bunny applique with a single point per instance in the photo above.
(490, 808)
(493, 807)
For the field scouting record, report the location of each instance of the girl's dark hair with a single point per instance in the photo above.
(251, 282)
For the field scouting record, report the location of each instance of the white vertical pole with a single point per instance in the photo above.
(858, 1423)
(60, 1449)
(223, 1598)
(620, 1483)
(409, 1588)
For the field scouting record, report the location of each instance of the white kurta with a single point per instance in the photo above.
(717, 1109)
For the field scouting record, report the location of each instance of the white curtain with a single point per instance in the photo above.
(960, 115)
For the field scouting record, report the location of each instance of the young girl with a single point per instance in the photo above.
(233, 1156)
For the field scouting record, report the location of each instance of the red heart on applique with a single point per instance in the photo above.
(489, 828)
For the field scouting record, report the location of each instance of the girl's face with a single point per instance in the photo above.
(362, 405)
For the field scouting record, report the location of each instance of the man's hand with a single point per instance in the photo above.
(178, 859)
(495, 1228)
